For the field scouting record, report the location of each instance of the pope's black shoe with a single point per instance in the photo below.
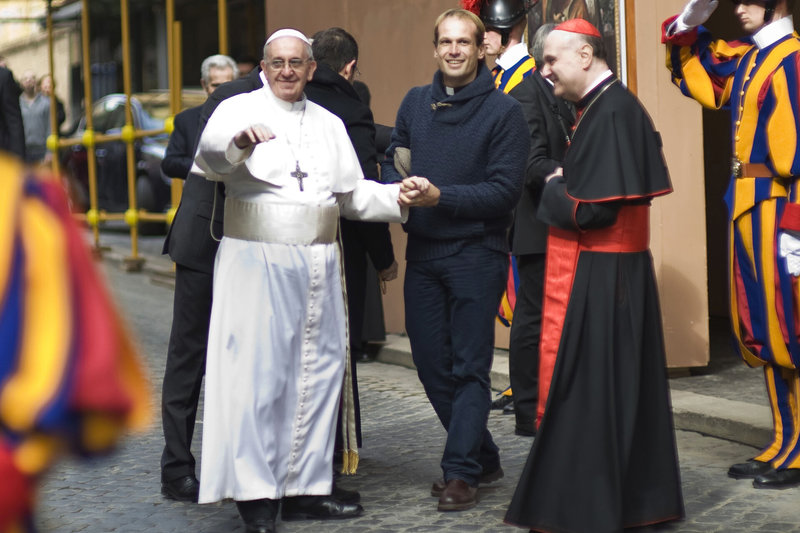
(258, 515)
(778, 479)
(344, 495)
(749, 469)
(183, 489)
(318, 508)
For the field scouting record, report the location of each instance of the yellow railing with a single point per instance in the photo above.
(129, 134)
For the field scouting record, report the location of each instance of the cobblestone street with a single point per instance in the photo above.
(402, 444)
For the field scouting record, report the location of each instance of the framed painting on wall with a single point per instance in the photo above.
(607, 15)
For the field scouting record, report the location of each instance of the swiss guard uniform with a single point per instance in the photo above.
(512, 67)
(757, 78)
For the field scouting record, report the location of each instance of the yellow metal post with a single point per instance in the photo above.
(176, 189)
(134, 262)
(52, 139)
(223, 26)
(92, 216)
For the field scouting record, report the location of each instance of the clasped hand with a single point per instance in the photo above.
(418, 191)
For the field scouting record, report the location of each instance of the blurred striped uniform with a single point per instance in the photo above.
(758, 80)
(70, 379)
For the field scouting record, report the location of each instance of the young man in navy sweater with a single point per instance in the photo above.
(468, 145)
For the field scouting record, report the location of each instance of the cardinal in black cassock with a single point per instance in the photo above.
(605, 456)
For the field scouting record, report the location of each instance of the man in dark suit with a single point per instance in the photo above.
(12, 134)
(550, 121)
(191, 245)
(336, 54)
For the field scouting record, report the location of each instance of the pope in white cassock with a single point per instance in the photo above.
(277, 340)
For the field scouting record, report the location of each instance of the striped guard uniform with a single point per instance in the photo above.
(70, 378)
(758, 80)
(512, 67)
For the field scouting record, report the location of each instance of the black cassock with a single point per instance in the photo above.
(605, 456)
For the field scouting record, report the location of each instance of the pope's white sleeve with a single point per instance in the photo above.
(372, 201)
(217, 155)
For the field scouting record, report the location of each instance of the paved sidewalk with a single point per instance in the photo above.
(402, 446)
(726, 400)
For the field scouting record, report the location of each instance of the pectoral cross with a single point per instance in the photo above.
(299, 175)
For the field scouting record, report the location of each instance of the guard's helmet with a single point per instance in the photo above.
(503, 14)
(769, 6)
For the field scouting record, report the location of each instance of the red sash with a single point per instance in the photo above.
(630, 233)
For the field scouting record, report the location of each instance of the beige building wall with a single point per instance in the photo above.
(678, 223)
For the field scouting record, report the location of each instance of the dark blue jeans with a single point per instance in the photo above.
(451, 304)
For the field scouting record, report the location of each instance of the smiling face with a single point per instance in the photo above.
(565, 64)
(457, 52)
(750, 14)
(287, 82)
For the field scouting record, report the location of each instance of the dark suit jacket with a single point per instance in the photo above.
(12, 135)
(189, 242)
(331, 91)
(550, 120)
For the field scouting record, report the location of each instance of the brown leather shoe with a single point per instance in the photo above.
(487, 477)
(457, 496)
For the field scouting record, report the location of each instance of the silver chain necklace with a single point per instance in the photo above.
(298, 174)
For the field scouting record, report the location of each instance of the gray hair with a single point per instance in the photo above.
(217, 61)
(537, 48)
(309, 51)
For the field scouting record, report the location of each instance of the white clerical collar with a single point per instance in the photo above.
(600, 79)
(512, 55)
(773, 32)
(283, 104)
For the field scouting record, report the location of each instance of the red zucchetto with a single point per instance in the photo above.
(579, 26)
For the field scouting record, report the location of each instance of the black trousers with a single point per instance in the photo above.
(186, 364)
(526, 329)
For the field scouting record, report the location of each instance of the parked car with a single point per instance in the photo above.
(152, 186)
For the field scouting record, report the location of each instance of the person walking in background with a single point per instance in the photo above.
(756, 78)
(336, 55)
(191, 244)
(550, 120)
(12, 132)
(462, 145)
(35, 109)
(45, 87)
(604, 457)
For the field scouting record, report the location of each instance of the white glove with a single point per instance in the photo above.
(694, 13)
(789, 247)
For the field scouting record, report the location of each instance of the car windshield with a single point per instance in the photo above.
(149, 110)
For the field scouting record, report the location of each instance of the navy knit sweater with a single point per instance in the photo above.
(473, 146)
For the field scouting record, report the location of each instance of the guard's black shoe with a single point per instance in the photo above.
(778, 479)
(501, 402)
(318, 508)
(183, 489)
(749, 469)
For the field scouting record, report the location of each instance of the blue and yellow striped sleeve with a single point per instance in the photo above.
(702, 67)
